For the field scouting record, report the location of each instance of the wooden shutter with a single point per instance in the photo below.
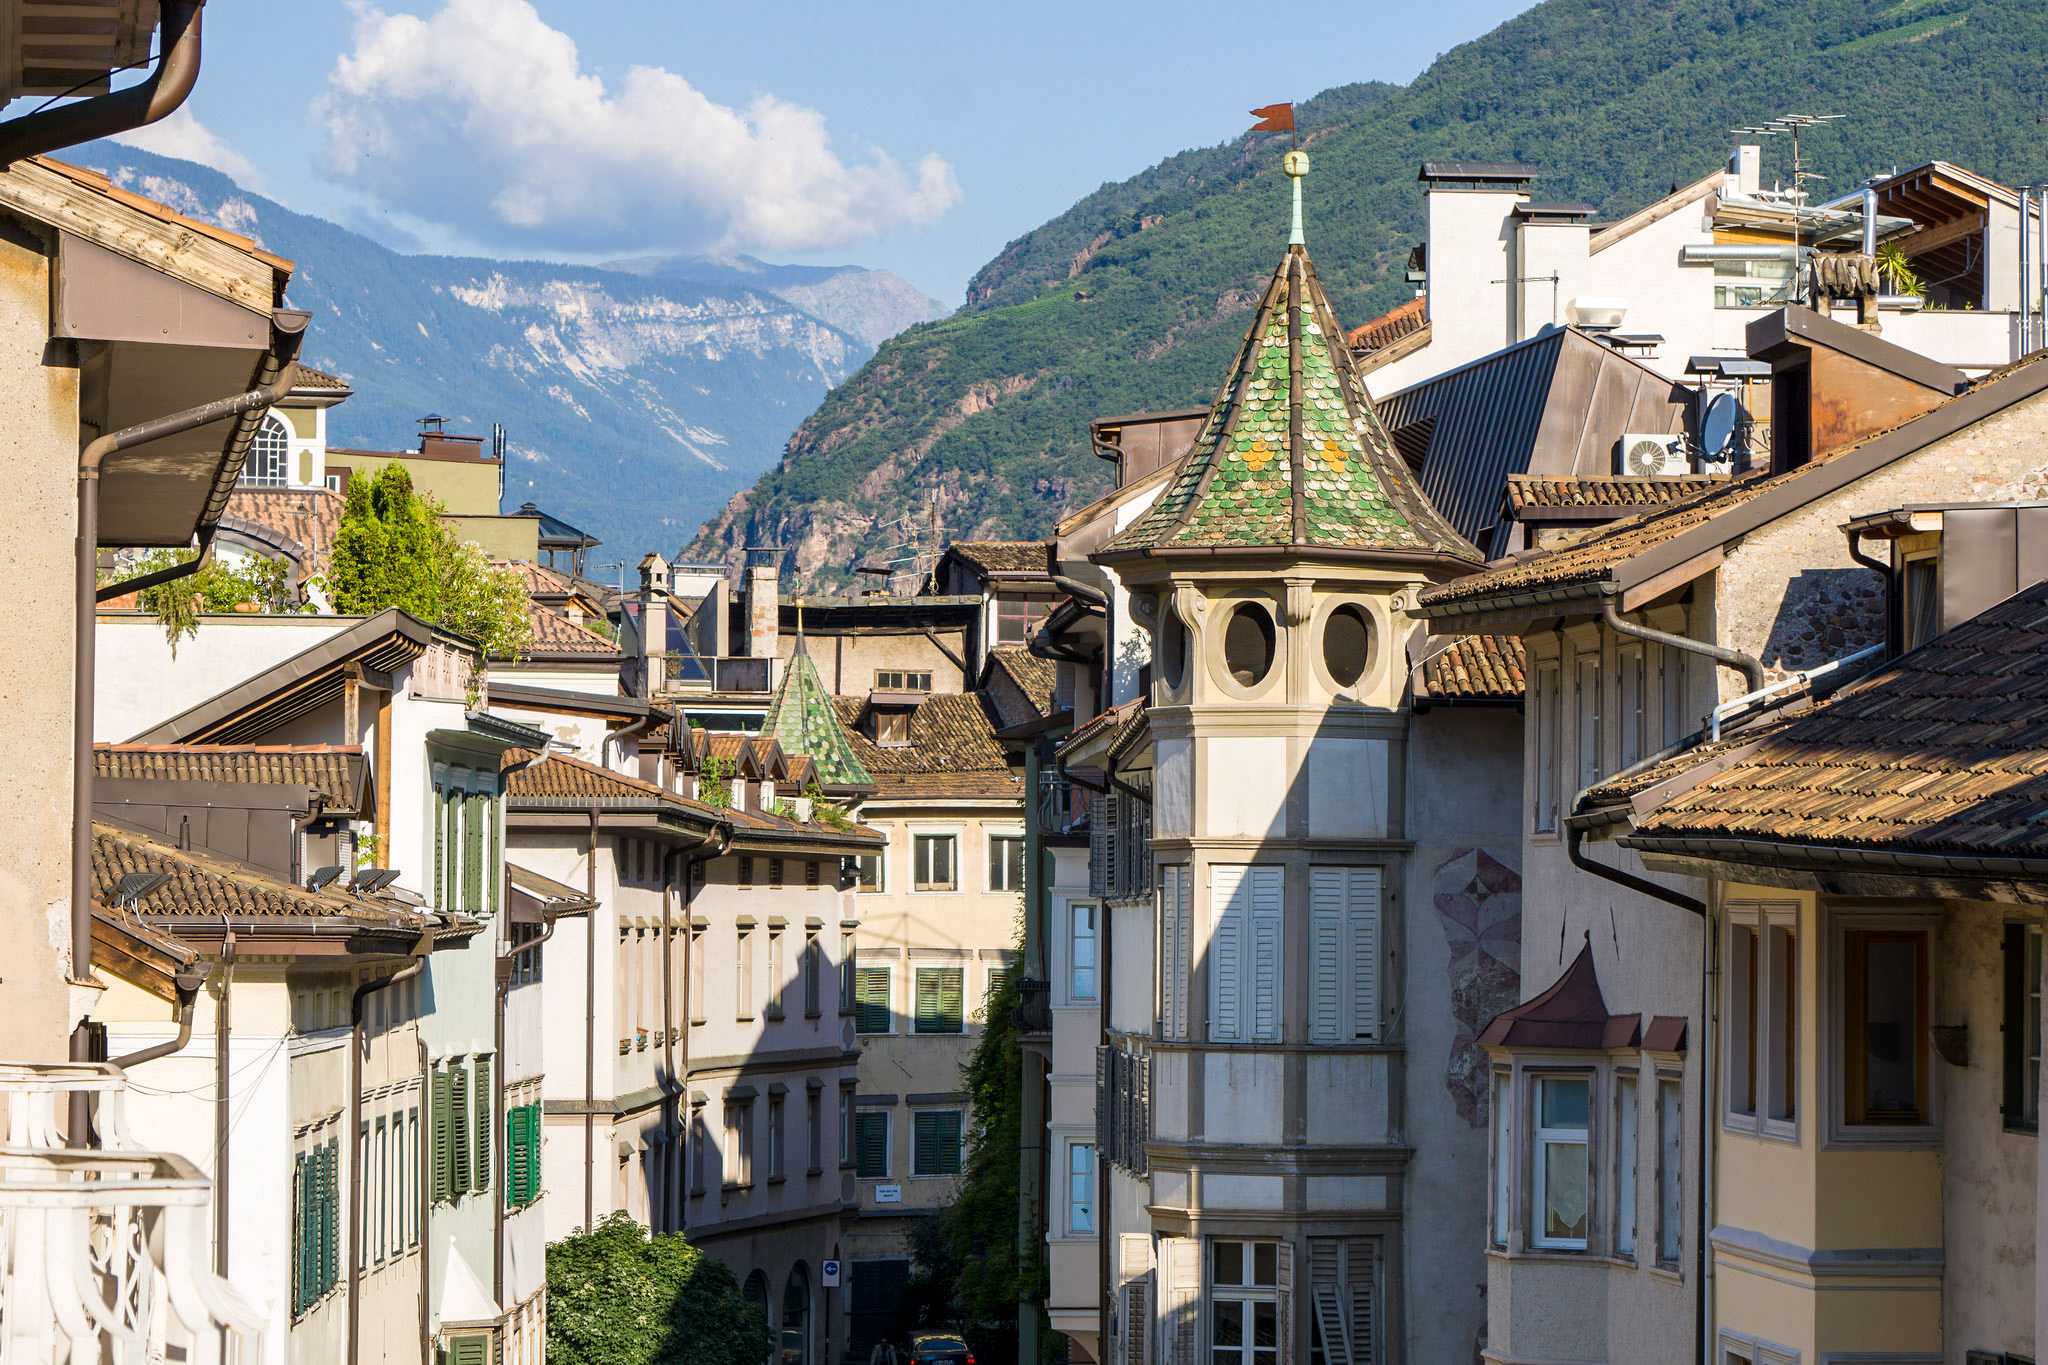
(871, 1136)
(1102, 1099)
(871, 999)
(458, 1129)
(952, 999)
(1362, 951)
(1266, 947)
(440, 848)
(1325, 954)
(1283, 1279)
(330, 1239)
(480, 1174)
(469, 1350)
(1134, 1276)
(451, 814)
(1361, 1294)
(2014, 1105)
(1226, 954)
(939, 999)
(1180, 1300)
(1098, 846)
(299, 1276)
(494, 869)
(441, 1178)
(1175, 932)
(1112, 812)
(472, 851)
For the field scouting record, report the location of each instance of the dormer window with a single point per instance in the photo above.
(889, 713)
(269, 462)
(892, 727)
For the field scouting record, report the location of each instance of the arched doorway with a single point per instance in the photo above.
(796, 1317)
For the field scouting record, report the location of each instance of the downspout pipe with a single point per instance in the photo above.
(190, 980)
(119, 111)
(681, 863)
(356, 1044)
(1752, 671)
(288, 327)
(590, 1029)
(223, 1124)
(504, 963)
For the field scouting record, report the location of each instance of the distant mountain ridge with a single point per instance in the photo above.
(635, 400)
(1136, 297)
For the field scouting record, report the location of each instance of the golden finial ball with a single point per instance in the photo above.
(1295, 163)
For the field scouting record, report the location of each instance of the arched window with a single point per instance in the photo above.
(269, 462)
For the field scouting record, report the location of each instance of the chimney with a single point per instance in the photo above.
(1747, 167)
(764, 603)
(653, 624)
(1468, 258)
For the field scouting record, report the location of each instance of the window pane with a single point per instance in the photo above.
(1229, 1263)
(1082, 950)
(1625, 1168)
(1265, 1325)
(1265, 1263)
(1670, 1215)
(1564, 1190)
(1884, 1029)
(1742, 1005)
(1503, 1157)
(1229, 1330)
(1565, 1103)
(1783, 987)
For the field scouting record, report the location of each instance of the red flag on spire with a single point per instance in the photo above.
(1274, 118)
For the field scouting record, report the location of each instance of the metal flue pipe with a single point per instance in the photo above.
(120, 111)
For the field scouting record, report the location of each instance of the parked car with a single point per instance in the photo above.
(940, 1348)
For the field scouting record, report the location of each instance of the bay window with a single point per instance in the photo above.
(1880, 1030)
(1760, 1019)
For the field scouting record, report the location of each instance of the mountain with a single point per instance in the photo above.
(1136, 296)
(635, 401)
(873, 305)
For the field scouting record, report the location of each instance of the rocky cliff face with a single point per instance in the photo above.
(635, 401)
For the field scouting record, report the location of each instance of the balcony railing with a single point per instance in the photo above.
(105, 1251)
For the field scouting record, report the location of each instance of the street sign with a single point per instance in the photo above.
(888, 1194)
(831, 1274)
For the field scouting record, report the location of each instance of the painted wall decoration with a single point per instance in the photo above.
(1478, 898)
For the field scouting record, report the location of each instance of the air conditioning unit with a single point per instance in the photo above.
(1652, 452)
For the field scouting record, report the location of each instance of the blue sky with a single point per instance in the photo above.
(919, 137)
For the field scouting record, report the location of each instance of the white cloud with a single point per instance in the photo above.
(182, 135)
(481, 109)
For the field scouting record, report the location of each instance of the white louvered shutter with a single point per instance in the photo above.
(1134, 1271)
(1326, 892)
(1173, 983)
(1180, 1300)
(1362, 948)
(1265, 897)
(1226, 954)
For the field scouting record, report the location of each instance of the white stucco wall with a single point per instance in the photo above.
(141, 683)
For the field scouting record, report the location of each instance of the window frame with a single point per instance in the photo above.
(1751, 1031)
(1839, 926)
(880, 859)
(1250, 1295)
(272, 423)
(1631, 685)
(999, 863)
(1500, 1186)
(1910, 567)
(1093, 938)
(918, 885)
(1628, 1164)
(1589, 702)
(2021, 1033)
(1542, 1138)
(1087, 1226)
(1670, 1176)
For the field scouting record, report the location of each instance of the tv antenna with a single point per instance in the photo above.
(1792, 125)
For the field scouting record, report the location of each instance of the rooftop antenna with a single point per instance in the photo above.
(1791, 125)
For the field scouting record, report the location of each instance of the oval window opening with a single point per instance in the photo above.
(1347, 644)
(1248, 644)
(1173, 650)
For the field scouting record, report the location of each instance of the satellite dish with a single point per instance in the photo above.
(1717, 425)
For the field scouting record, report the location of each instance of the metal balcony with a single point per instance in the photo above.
(105, 1251)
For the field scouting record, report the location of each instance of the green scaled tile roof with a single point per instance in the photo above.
(1293, 455)
(802, 719)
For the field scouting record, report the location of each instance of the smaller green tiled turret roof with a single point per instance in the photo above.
(802, 719)
(1292, 455)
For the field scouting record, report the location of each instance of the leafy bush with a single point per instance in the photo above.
(214, 587)
(619, 1296)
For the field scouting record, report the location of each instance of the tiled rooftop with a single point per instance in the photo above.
(1476, 668)
(1623, 491)
(1006, 556)
(953, 750)
(204, 886)
(335, 771)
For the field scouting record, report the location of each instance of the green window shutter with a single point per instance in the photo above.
(330, 1239)
(871, 1144)
(515, 1154)
(494, 869)
(871, 1000)
(469, 1350)
(472, 851)
(298, 1233)
(451, 866)
(533, 1145)
(939, 997)
(936, 1142)
(458, 1130)
(442, 1177)
(440, 846)
(486, 1100)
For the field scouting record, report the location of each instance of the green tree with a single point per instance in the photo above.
(969, 1272)
(394, 549)
(618, 1296)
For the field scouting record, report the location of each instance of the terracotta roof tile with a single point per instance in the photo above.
(1944, 752)
(1006, 556)
(204, 886)
(953, 750)
(1403, 319)
(1038, 679)
(306, 517)
(560, 778)
(1476, 668)
(556, 634)
(310, 378)
(337, 772)
(1621, 491)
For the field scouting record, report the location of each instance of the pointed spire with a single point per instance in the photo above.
(802, 719)
(1293, 454)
